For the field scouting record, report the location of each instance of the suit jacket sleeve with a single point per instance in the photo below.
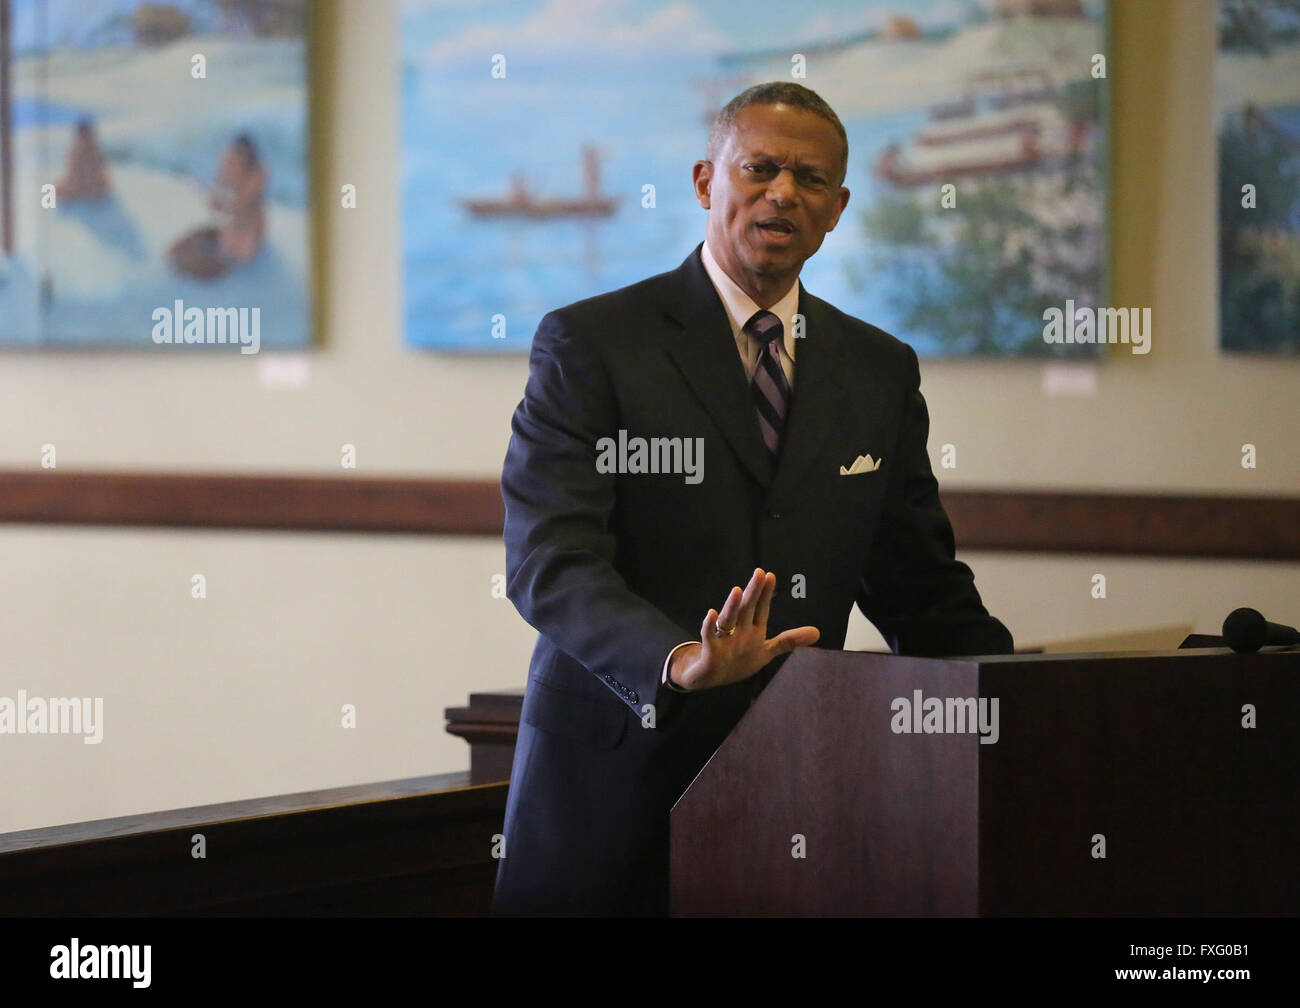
(560, 551)
(919, 596)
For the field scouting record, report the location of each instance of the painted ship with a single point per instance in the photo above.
(1005, 120)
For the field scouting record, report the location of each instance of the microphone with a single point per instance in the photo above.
(1246, 630)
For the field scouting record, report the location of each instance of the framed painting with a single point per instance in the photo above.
(1258, 91)
(547, 153)
(154, 175)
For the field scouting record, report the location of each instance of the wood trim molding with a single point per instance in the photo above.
(1241, 528)
(1030, 521)
(240, 501)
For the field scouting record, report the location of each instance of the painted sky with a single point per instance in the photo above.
(471, 25)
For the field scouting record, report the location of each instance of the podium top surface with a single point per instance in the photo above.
(1079, 655)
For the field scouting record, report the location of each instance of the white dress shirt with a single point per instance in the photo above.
(740, 309)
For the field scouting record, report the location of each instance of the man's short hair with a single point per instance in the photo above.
(784, 92)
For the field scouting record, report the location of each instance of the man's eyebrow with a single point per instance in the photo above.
(807, 165)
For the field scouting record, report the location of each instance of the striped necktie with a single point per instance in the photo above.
(770, 388)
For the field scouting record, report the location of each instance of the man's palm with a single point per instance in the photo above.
(721, 660)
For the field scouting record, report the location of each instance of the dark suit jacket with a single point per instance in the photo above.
(615, 570)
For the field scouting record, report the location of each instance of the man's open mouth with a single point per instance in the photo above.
(777, 226)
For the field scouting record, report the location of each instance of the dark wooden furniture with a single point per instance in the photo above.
(417, 847)
(490, 724)
(1148, 750)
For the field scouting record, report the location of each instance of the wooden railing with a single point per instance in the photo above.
(413, 847)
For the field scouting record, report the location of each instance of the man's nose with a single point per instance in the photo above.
(781, 190)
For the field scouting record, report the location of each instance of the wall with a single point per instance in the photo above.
(239, 695)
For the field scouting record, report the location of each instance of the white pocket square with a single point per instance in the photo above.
(862, 464)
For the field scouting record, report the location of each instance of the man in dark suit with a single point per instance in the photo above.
(675, 436)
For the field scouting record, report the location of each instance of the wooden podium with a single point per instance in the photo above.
(818, 803)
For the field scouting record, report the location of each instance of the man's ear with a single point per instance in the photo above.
(844, 202)
(702, 175)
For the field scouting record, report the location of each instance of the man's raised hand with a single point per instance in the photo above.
(742, 647)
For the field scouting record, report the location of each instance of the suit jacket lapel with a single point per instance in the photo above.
(817, 397)
(706, 355)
